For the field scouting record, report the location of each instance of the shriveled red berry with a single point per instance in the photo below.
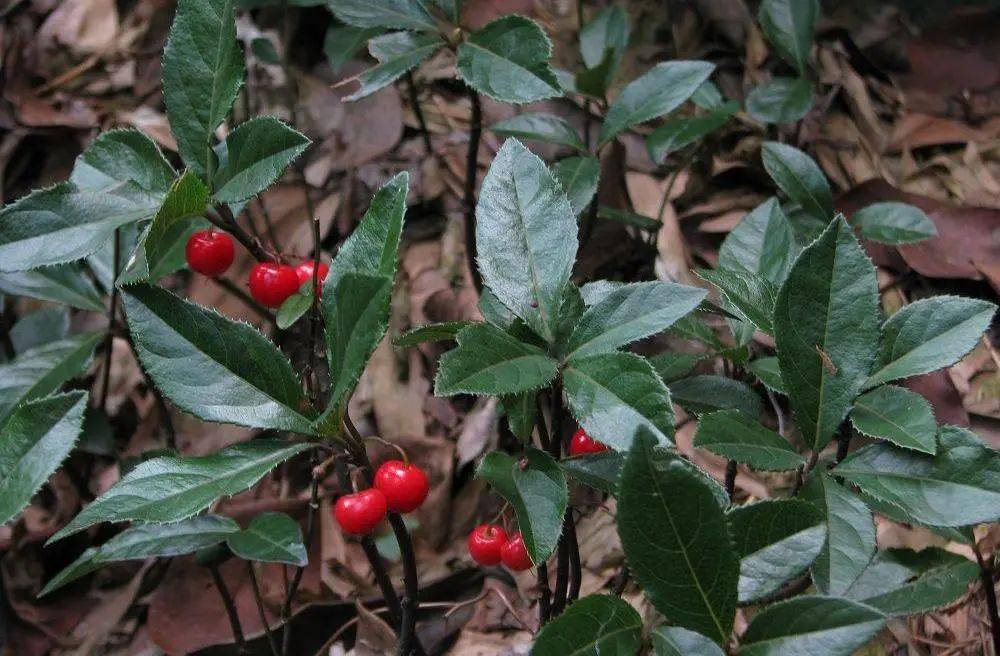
(404, 485)
(361, 512)
(514, 554)
(272, 283)
(305, 273)
(583, 444)
(486, 543)
(209, 252)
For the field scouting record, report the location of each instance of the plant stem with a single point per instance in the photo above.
(545, 596)
(411, 87)
(109, 339)
(260, 608)
(227, 601)
(731, 478)
(6, 323)
(222, 217)
(562, 553)
(618, 586)
(286, 609)
(576, 571)
(989, 587)
(471, 169)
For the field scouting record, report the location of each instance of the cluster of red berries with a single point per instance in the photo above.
(399, 486)
(489, 544)
(211, 252)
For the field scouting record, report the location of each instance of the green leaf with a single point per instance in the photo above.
(599, 470)
(929, 334)
(396, 54)
(540, 127)
(597, 625)
(776, 540)
(671, 365)
(42, 370)
(489, 361)
(259, 151)
(202, 72)
(452, 9)
(271, 537)
(34, 440)
(172, 488)
(676, 540)
(732, 435)
(762, 243)
(850, 540)
(579, 177)
(432, 332)
(147, 541)
(681, 132)
(708, 393)
(536, 487)
(657, 92)
(958, 486)
(49, 324)
(780, 100)
(707, 96)
(64, 223)
(64, 283)
(825, 329)
(264, 50)
(788, 25)
(212, 367)
(508, 60)
(898, 415)
(768, 372)
(525, 237)
(398, 14)
(799, 177)
(693, 328)
(614, 395)
(899, 582)
(894, 223)
(521, 411)
(677, 641)
(628, 218)
(630, 313)
(119, 156)
(342, 42)
(294, 306)
(806, 626)
(751, 294)
(603, 41)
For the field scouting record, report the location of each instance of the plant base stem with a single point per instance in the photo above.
(227, 601)
(471, 170)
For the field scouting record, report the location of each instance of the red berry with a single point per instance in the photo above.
(305, 273)
(486, 543)
(404, 486)
(361, 512)
(209, 252)
(271, 283)
(514, 554)
(583, 444)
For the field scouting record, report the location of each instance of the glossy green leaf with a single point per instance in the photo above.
(34, 440)
(762, 243)
(119, 156)
(799, 177)
(708, 393)
(899, 582)
(42, 370)
(202, 72)
(213, 367)
(172, 488)
(958, 486)
(929, 334)
(521, 411)
(598, 470)
(780, 100)
(898, 415)
(489, 361)
(614, 395)
(432, 332)
(676, 540)
(751, 294)
(732, 435)
(678, 133)
(788, 25)
(579, 177)
(608, 29)
(657, 92)
(678, 641)
(508, 60)
(597, 625)
(671, 366)
(768, 372)
(396, 53)
(64, 283)
(342, 42)
(707, 96)
(525, 236)
(536, 487)
(49, 324)
(399, 14)
(826, 330)
(540, 127)
(776, 540)
(258, 152)
(271, 537)
(894, 223)
(630, 313)
(294, 307)
(807, 626)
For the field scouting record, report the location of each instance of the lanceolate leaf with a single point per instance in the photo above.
(671, 366)
(271, 537)
(676, 541)
(898, 415)
(396, 54)
(807, 626)
(599, 470)
(579, 177)
(215, 368)
(767, 371)
(958, 486)
(592, 626)
(799, 177)
(733, 435)
(118, 156)
(521, 411)
(762, 243)
(788, 25)
(781, 100)
(42, 370)
(894, 223)
(432, 332)
(614, 395)
(202, 71)
(536, 487)
(508, 60)
(929, 334)
(171, 488)
(34, 440)
(608, 29)
(342, 42)
(525, 236)
(540, 127)
(900, 582)
(63, 283)
(751, 294)
(399, 14)
(677, 641)
(630, 313)
(826, 328)
(257, 153)
(659, 91)
(489, 361)
(708, 393)
(680, 132)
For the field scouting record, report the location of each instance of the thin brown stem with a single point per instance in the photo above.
(544, 594)
(6, 323)
(418, 112)
(227, 601)
(109, 339)
(222, 217)
(620, 582)
(575, 568)
(260, 608)
(989, 587)
(286, 609)
(471, 171)
(731, 470)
